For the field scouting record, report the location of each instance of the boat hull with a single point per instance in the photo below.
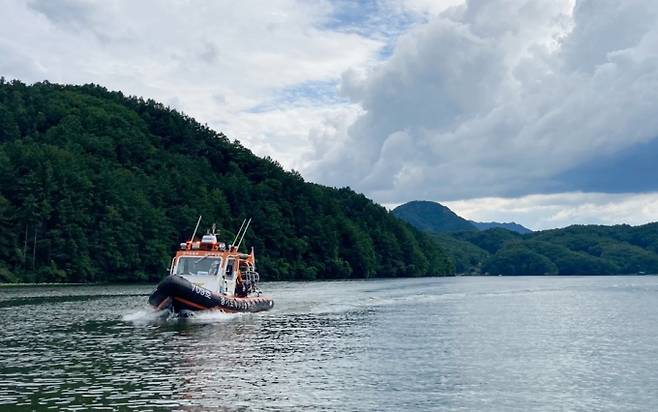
(182, 296)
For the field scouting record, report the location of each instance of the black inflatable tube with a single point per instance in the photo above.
(185, 295)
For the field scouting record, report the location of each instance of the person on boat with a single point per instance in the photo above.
(214, 268)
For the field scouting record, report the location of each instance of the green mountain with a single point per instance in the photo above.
(97, 186)
(575, 250)
(435, 218)
(432, 217)
(499, 249)
(512, 226)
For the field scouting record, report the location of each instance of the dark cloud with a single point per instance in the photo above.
(634, 169)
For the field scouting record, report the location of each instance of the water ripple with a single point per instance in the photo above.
(419, 344)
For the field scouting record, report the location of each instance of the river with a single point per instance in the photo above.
(465, 343)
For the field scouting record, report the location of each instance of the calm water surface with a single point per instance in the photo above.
(527, 343)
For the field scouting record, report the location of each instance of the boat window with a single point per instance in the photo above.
(229, 268)
(198, 265)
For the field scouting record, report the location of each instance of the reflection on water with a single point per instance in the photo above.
(419, 344)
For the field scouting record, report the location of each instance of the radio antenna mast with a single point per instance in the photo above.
(196, 228)
(238, 234)
(243, 233)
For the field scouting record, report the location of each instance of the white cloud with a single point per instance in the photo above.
(214, 60)
(562, 209)
(500, 98)
(290, 134)
(476, 99)
(430, 8)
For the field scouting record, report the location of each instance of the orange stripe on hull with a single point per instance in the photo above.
(164, 304)
(187, 302)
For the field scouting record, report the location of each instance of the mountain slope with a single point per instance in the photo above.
(432, 217)
(511, 226)
(575, 250)
(96, 186)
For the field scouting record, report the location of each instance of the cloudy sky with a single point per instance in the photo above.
(540, 111)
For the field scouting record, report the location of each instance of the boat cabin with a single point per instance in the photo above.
(214, 266)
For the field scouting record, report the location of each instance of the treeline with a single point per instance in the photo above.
(96, 186)
(575, 250)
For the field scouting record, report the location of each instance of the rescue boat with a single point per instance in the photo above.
(208, 275)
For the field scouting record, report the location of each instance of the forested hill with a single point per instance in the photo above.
(97, 186)
(575, 250)
(508, 249)
(511, 226)
(432, 217)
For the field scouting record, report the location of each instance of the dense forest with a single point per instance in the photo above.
(96, 186)
(575, 250)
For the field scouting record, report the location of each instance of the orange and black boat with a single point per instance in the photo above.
(209, 275)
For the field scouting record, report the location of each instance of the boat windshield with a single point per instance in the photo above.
(198, 265)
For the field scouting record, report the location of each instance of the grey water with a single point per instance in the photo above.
(466, 343)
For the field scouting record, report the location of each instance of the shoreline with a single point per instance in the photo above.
(10, 285)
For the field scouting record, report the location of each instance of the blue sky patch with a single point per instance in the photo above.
(317, 93)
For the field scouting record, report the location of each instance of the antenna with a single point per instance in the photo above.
(238, 234)
(195, 229)
(243, 233)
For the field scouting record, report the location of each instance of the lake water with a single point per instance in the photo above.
(499, 343)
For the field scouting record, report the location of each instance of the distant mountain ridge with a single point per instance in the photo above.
(433, 217)
(500, 250)
(512, 226)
